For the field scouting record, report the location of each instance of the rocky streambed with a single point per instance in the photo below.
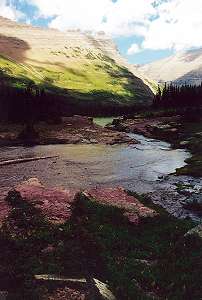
(143, 168)
(69, 130)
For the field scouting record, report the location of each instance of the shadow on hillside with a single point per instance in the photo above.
(135, 85)
(143, 94)
(13, 48)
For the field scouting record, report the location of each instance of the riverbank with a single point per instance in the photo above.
(55, 241)
(71, 130)
(192, 140)
(90, 238)
(172, 129)
(180, 193)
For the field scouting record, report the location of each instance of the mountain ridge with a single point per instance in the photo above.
(71, 62)
(182, 67)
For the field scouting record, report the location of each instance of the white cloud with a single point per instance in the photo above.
(87, 15)
(134, 48)
(129, 17)
(124, 17)
(7, 10)
(162, 24)
(179, 26)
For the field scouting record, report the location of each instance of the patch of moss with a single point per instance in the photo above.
(193, 133)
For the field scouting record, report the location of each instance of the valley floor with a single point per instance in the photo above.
(100, 242)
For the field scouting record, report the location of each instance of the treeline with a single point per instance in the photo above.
(97, 109)
(28, 104)
(178, 97)
(33, 103)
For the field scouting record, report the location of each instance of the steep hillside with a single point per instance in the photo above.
(79, 65)
(180, 68)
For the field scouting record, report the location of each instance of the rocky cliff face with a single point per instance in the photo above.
(180, 68)
(80, 62)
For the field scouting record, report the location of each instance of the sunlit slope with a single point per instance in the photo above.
(71, 63)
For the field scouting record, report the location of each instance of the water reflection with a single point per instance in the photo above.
(135, 167)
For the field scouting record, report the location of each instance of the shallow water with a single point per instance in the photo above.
(103, 121)
(135, 167)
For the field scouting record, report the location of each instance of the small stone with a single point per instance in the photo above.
(195, 232)
(93, 141)
(85, 141)
(184, 143)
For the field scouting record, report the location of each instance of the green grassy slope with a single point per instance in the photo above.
(86, 78)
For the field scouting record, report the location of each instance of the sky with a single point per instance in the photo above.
(144, 30)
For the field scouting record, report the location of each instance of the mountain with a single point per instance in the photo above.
(77, 65)
(179, 68)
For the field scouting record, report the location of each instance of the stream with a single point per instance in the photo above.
(142, 168)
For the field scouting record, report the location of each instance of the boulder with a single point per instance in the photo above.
(133, 209)
(54, 203)
(195, 232)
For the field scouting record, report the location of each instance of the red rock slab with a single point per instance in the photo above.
(54, 203)
(4, 207)
(134, 210)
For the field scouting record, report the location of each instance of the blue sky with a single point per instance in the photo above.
(143, 57)
(144, 30)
